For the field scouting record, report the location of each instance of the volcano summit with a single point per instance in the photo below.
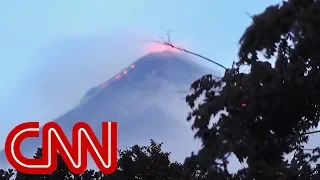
(147, 99)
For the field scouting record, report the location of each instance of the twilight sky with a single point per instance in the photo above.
(51, 53)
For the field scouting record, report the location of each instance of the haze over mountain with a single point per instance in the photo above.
(147, 99)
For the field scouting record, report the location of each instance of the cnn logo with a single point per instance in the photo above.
(54, 140)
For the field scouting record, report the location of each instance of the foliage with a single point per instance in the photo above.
(280, 102)
(137, 162)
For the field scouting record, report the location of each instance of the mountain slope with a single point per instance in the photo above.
(147, 99)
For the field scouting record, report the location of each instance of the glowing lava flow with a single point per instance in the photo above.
(157, 47)
(153, 47)
(117, 77)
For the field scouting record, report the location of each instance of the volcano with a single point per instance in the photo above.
(147, 99)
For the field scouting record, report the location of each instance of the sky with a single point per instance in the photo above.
(51, 53)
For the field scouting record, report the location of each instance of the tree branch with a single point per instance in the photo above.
(195, 54)
(311, 132)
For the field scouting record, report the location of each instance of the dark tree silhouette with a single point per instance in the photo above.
(137, 162)
(270, 110)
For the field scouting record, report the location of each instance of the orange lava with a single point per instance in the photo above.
(158, 47)
(117, 77)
